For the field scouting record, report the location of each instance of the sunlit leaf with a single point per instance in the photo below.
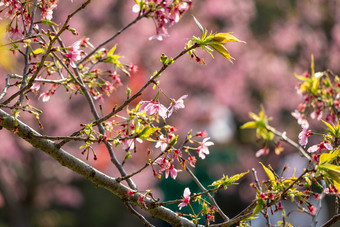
(225, 37)
(269, 173)
(329, 157)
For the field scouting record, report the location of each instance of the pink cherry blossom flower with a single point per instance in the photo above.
(45, 96)
(192, 160)
(202, 134)
(84, 42)
(301, 120)
(163, 143)
(312, 209)
(36, 86)
(168, 167)
(172, 171)
(177, 154)
(74, 53)
(159, 37)
(135, 8)
(331, 190)
(320, 147)
(263, 151)
(152, 107)
(98, 97)
(186, 198)
(303, 136)
(176, 104)
(203, 148)
(109, 86)
(130, 193)
(47, 12)
(15, 34)
(141, 199)
(129, 144)
(116, 78)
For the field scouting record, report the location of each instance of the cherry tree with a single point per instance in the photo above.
(45, 66)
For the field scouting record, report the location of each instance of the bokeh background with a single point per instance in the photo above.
(281, 36)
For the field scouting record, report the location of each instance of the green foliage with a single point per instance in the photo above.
(225, 181)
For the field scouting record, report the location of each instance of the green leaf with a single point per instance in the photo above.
(221, 50)
(38, 51)
(249, 124)
(225, 38)
(127, 156)
(225, 181)
(331, 171)
(269, 173)
(259, 206)
(329, 157)
(147, 131)
(199, 25)
(48, 22)
(112, 50)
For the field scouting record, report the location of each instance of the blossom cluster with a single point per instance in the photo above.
(165, 14)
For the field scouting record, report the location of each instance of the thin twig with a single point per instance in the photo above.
(60, 81)
(138, 93)
(256, 179)
(289, 141)
(138, 215)
(114, 36)
(27, 53)
(225, 217)
(4, 92)
(44, 57)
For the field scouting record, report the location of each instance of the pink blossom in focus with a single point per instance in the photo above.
(45, 96)
(74, 53)
(303, 136)
(192, 160)
(186, 198)
(152, 108)
(172, 171)
(320, 147)
(163, 143)
(176, 104)
(203, 148)
(129, 144)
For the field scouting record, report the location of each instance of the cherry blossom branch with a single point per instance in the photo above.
(101, 129)
(20, 40)
(191, 197)
(98, 178)
(7, 85)
(138, 93)
(256, 179)
(60, 81)
(114, 36)
(44, 57)
(289, 141)
(78, 138)
(246, 213)
(27, 53)
(225, 217)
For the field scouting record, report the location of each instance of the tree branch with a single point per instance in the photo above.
(98, 178)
